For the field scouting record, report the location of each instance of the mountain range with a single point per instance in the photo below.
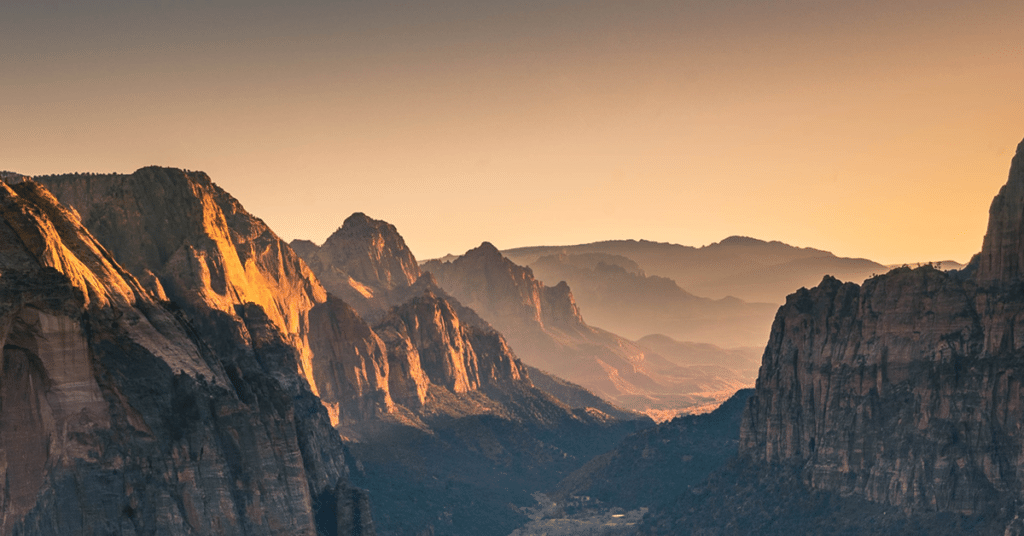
(171, 366)
(741, 267)
(888, 407)
(178, 356)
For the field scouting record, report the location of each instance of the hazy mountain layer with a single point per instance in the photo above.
(746, 268)
(362, 262)
(611, 295)
(545, 329)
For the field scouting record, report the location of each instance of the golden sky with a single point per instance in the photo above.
(875, 129)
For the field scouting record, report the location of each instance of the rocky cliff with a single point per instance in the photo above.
(117, 417)
(189, 241)
(906, 390)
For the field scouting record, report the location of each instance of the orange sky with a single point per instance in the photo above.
(868, 128)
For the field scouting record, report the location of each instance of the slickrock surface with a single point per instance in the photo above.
(116, 417)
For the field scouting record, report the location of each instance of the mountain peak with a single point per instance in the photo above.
(737, 240)
(372, 252)
(1002, 252)
(360, 219)
(484, 249)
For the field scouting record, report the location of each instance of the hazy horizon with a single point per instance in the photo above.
(865, 128)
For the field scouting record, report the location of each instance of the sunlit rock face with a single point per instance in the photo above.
(452, 354)
(906, 390)
(116, 418)
(362, 262)
(351, 365)
(187, 240)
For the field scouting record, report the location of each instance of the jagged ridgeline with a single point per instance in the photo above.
(118, 415)
(892, 406)
(446, 429)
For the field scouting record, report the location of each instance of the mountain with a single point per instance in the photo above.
(745, 268)
(900, 395)
(420, 381)
(449, 431)
(544, 327)
(117, 416)
(615, 294)
(654, 466)
(361, 262)
(190, 242)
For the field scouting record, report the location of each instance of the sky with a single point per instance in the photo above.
(874, 129)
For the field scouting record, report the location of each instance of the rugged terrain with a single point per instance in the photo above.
(546, 330)
(419, 380)
(118, 416)
(902, 396)
(615, 294)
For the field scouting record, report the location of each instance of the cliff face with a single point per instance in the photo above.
(906, 390)
(452, 354)
(116, 418)
(1002, 254)
(188, 240)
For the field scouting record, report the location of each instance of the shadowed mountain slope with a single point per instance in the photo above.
(425, 375)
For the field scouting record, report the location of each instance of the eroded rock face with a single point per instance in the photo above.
(351, 365)
(115, 417)
(452, 354)
(503, 292)
(362, 262)
(906, 390)
(193, 243)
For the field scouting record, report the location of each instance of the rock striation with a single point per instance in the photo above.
(1002, 253)
(906, 390)
(116, 416)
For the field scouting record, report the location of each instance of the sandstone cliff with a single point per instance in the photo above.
(906, 390)
(116, 417)
(187, 239)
